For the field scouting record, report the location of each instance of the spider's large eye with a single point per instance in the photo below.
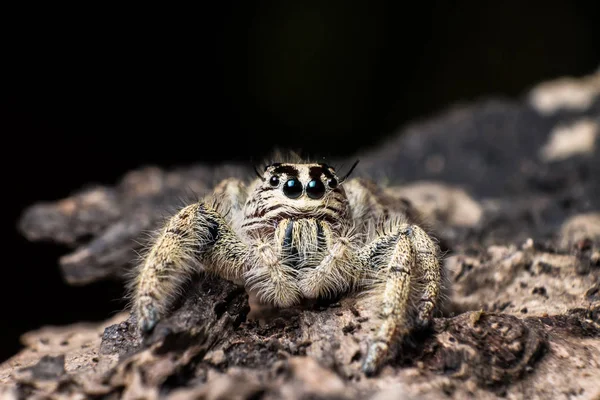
(315, 189)
(292, 188)
(274, 181)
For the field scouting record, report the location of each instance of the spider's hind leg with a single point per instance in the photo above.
(405, 266)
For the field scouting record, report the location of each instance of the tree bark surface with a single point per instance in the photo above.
(512, 190)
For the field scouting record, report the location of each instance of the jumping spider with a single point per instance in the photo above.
(300, 232)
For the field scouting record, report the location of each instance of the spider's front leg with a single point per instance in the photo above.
(406, 266)
(196, 238)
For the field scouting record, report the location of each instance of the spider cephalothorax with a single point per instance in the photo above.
(297, 191)
(297, 232)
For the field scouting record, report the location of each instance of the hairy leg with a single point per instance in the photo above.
(196, 238)
(370, 205)
(403, 261)
(231, 195)
(273, 275)
(339, 268)
(429, 264)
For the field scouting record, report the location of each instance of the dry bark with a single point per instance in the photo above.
(520, 227)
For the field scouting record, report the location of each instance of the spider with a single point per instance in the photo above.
(298, 232)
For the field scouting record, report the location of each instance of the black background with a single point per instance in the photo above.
(89, 93)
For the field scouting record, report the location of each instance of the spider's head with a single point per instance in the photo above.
(305, 188)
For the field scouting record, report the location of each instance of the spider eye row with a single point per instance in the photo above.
(292, 188)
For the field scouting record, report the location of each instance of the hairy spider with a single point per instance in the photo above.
(300, 232)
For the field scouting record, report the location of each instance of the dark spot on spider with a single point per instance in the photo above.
(213, 230)
(289, 170)
(176, 231)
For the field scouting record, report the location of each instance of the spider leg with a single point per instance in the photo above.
(370, 203)
(272, 274)
(402, 262)
(338, 271)
(428, 262)
(197, 238)
(231, 194)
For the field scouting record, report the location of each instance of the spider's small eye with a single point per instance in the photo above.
(315, 189)
(332, 183)
(274, 181)
(292, 188)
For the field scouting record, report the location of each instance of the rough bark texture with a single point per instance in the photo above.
(511, 188)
